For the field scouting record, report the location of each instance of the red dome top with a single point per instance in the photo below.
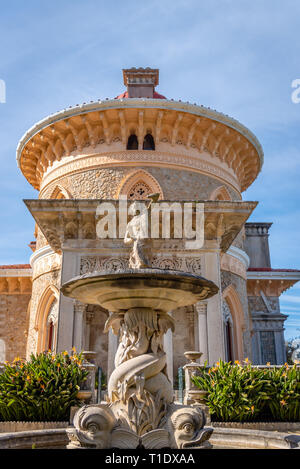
(155, 95)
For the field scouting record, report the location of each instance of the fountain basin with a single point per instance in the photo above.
(161, 290)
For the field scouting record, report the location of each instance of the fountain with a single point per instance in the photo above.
(140, 411)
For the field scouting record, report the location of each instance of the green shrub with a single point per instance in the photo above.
(41, 389)
(245, 393)
(285, 399)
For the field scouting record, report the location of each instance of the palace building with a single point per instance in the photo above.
(137, 144)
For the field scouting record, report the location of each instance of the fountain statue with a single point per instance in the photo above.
(140, 411)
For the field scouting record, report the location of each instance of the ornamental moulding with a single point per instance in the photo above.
(146, 158)
(44, 260)
(179, 124)
(234, 265)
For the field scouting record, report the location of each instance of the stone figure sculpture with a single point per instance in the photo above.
(140, 380)
(140, 411)
(137, 234)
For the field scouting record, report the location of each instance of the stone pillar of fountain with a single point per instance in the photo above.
(193, 394)
(201, 309)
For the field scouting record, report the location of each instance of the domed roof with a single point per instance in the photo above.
(155, 95)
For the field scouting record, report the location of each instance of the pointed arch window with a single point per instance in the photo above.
(139, 191)
(138, 185)
(51, 326)
(148, 143)
(228, 332)
(132, 143)
(47, 319)
(60, 192)
(220, 193)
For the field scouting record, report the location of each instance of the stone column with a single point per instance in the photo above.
(79, 309)
(201, 309)
(215, 333)
(66, 305)
(168, 347)
(89, 316)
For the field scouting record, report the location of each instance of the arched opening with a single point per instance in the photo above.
(220, 193)
(60, 192)
(228, 332)
(51, 326)
(148, 143)
(46, 320)
(132, 143)
(138, 185)
(233, 319)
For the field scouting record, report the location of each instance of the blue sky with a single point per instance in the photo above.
(237, 56)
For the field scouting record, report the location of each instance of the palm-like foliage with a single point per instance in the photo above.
(244, 393)
(41, 389)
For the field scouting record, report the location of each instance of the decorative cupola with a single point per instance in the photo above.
(141, 83)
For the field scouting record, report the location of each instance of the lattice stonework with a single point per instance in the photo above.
(139, 191)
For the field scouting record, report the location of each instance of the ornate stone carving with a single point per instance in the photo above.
(140, 380)
(94, 263)
(99, 427)
(90, 264)
(92, 427)
(166, 263)
(46, 263)
(234, 265)
(185, 264)
(186, 427)
(53, 313)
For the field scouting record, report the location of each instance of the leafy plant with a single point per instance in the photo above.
(285, 402)
(41, 389)
(244, 393)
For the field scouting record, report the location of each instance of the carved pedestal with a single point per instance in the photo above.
(140, 411)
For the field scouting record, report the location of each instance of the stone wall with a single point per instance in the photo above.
(14, 324)
(256, 303)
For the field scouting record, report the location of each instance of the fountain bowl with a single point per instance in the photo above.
(158, 289)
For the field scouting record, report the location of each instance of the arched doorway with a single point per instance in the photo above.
(46, 320)
(233, 321)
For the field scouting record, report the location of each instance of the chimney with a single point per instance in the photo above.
(140, 82)
(257, 244)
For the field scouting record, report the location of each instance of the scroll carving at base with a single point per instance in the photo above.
(99, 427)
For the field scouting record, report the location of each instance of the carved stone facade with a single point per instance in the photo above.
(80, 155)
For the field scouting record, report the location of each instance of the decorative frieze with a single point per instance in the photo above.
(46, 262)
(234, 265)
(15, 285)
(90, 264)
(121, 158)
